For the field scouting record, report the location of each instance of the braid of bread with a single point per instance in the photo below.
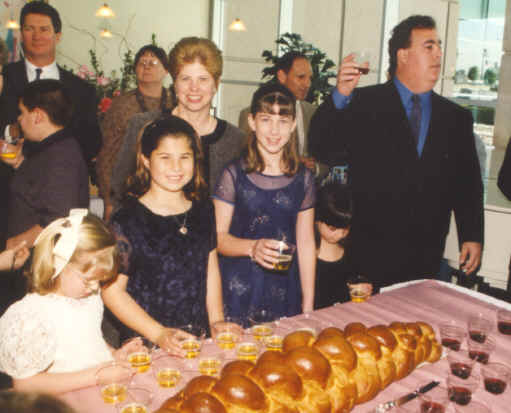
(328, 373)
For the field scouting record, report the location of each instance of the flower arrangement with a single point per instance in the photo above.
(108, 87)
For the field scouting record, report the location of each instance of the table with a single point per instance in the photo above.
(430, 301)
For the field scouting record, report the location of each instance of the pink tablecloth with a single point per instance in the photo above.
(428, 301)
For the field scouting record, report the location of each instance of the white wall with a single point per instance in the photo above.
(135, 21)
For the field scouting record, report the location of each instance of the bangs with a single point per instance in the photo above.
(104, 264)
(285, 106)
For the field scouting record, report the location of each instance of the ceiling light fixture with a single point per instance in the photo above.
(105, 12)
(237, 25)
(12, 24)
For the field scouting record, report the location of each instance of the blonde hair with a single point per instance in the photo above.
(190, 49)
(93, 236)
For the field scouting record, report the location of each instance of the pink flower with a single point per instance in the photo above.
(102, 81)
(104, 105)
(84, 72)
(116, 93)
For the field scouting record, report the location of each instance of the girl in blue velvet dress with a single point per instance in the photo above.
(262, 198)
(166, 233)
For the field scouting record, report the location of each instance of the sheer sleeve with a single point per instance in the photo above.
(213, 237)
(310, 191)
(29, 341)
(124, 247)
(225, 189)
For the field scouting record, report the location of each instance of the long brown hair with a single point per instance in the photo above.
(167, 126)
(264, 100)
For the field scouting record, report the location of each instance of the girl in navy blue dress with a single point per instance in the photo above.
(166, 233)
(263, 200)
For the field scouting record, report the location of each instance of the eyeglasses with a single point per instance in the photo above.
(92, 285)
(148, 62)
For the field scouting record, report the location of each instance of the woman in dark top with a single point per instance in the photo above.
(195, 65)
(167, 241)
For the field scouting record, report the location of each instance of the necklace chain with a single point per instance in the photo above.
(183, 229)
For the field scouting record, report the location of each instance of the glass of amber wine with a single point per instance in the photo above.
(360, 288)
(7, 150)
(192, 345)
(247, 349)
(113, 380)
(167, 371)
(261, 324)
(142, 357)
(138, 400)
(227, 333)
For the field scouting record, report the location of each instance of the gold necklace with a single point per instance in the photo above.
(182, 227)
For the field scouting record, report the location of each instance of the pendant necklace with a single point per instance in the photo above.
(182, 227)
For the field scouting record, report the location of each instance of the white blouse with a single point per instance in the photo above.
(52, 333)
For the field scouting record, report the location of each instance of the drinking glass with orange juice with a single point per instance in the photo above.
(226, 333)
(360, 288)
(192, 345)
(8, 150)
(113, 380)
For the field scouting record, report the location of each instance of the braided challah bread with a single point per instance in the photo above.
(328, 373)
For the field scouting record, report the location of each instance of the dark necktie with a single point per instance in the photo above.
(415, 117)
(38, 72)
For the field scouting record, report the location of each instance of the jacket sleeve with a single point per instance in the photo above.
(468, 201)
(328, 133)
(504, 181)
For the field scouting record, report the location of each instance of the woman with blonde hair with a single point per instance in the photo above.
(51, 339)
(195, 65)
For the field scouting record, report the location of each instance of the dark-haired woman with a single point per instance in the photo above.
(169, 275)
(151, 68)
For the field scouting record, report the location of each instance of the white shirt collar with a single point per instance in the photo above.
(50, 71)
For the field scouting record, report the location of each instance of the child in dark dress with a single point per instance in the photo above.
(333, 268)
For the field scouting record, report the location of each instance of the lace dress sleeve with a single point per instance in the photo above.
(225, 187)
(310, 191)
(29, 341)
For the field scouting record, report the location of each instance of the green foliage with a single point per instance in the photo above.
(321, 65)
(473, 73)
(490, 77)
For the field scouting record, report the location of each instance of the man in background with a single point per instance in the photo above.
(41, 31)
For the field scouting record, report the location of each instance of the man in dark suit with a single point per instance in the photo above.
(41, 31)
(412, 161)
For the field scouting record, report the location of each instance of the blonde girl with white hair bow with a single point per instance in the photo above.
(51, 339)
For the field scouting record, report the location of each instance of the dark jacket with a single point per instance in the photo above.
(402, 203)
(84, 124)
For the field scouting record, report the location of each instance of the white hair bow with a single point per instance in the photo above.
(69, 230)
